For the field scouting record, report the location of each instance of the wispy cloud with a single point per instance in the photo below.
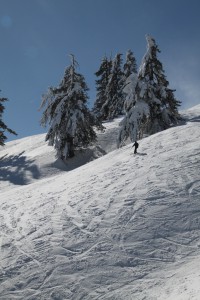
(183, 74)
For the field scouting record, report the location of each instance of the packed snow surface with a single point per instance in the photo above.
(122, 226)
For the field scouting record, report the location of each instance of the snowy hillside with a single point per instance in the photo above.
(26, 160)
(123, 226)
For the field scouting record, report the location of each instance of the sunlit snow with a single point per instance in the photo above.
(122, 226)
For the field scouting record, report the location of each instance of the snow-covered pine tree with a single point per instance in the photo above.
(136, 112)
(130, 65)
(113, 107)
(101, 85)
(71, 122)
(3, 126)
(129, 79)
(150, 104)
(133, 111)
(153, 89)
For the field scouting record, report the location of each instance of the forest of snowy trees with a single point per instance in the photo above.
(142, 97)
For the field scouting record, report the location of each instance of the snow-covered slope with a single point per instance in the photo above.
(25, 160)
(123, 226)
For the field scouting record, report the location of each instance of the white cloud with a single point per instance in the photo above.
(183, 75)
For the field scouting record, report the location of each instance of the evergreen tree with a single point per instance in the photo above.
(136, 112)
(129, 80)
(101, 85)
(130, 66)
(150, 104)
(3, 126)
(71, 123)
(153, 89)
(113, 106)
(130, 123)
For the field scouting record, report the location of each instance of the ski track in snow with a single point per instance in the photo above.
(123, 226)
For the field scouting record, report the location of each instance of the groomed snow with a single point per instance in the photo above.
(122, 226)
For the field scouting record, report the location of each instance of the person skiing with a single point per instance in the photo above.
(136, 146)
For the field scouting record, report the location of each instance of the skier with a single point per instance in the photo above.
(136, 146)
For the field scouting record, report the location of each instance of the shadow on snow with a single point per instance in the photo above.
(18, 169)
(81, 158)
(141, 154)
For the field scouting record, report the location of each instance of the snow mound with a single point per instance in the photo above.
(123, 226)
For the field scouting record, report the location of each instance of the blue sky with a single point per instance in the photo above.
(37, 36)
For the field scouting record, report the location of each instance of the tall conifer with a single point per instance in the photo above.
(150, 104)
(114, 105)
(3, 126)
(153, 88)
(103, 75)
(130, 65)
(71, 123)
